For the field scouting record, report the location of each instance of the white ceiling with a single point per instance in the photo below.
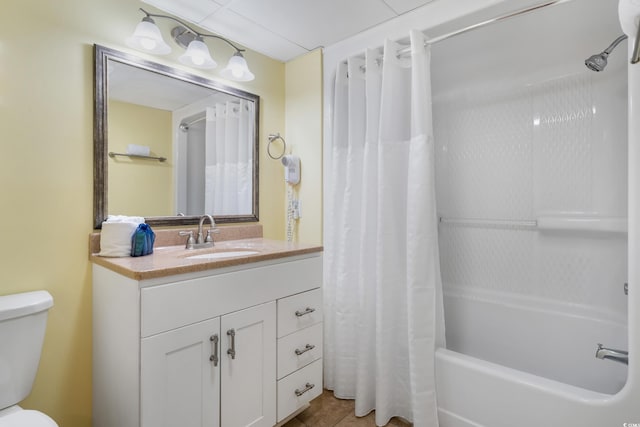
(285, 29)
(128, 83)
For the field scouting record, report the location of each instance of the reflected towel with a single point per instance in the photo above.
(138, 150)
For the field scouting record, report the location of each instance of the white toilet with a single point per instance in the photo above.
(23, 320)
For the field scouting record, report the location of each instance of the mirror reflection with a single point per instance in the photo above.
(179, 146)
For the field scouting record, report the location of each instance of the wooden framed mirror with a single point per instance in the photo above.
(171, 146)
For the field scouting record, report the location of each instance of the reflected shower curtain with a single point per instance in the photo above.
(383, 291)
(229, 156)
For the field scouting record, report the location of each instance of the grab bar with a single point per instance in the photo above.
(473, 222)
(548, 223)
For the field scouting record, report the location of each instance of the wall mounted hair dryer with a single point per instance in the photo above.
(291, 169)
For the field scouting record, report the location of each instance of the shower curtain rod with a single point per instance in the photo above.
(187, 124)
(428, 42)
(485, 23)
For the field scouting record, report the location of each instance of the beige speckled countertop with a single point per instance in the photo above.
(171, 260)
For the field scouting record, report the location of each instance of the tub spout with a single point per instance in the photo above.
(612, 354)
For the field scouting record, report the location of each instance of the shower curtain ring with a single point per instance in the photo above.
(272, 138)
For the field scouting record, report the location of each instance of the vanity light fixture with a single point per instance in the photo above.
(147, 38)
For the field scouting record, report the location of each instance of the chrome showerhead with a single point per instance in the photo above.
(598, 61)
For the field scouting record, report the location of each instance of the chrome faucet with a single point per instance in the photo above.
(201, 240)
(612, 354)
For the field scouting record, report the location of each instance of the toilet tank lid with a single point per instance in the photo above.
(23, 304)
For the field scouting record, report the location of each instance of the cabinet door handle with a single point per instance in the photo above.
(307, 387)
(214, 357)
(231, 333)
(305, 349)
(306, 311)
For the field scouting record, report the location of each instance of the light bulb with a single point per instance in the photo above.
(237, 69)
(198, 55)
(148, 44)
(197, 60)
(147, 37)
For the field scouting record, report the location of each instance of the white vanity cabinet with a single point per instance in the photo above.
(187, 374)
(202, 349)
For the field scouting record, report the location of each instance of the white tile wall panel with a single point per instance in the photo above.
(557, 147)
(563, 116)
(488, 156)
(497, 259)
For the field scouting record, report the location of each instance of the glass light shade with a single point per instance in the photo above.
(237, 69)
(147, 38)
(197, 55)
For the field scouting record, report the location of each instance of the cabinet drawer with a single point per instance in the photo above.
(299, 388)
(172, 305)
(299, 311)
(298, 349)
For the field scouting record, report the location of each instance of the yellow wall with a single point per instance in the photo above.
(303, 106)
(46, 118)
(150, 180)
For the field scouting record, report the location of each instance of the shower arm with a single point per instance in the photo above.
(615, 43)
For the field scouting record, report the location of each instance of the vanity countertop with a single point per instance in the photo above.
(171, 260)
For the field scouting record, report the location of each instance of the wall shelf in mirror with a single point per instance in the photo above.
(206, 131)
(137, 156)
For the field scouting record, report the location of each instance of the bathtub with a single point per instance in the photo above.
(538, 369)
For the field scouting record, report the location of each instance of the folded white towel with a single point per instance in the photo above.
(125, 218)
(138, 150)
(115, 237)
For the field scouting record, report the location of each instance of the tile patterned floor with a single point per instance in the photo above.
(328, 411)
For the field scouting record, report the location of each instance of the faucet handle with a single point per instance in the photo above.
(190, 241)
(209, 239)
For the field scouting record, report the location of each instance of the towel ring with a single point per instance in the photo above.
(272, 138)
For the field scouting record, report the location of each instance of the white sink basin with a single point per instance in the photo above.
(222, 255)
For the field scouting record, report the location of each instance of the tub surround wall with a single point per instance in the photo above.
(494, 80)
(554, 150)
(518, 163)
(560, 345)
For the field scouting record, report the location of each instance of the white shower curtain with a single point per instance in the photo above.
(383, 291)
(228, 175)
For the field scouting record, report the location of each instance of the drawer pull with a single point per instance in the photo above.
(214, 357)
(307, 387)
(231, 333)
(306, 311)
(305, 349)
